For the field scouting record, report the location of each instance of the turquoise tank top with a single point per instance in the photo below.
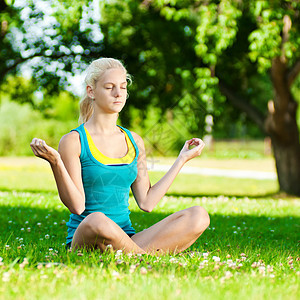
(106, 187)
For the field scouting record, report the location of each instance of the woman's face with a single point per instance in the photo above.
(111, 91)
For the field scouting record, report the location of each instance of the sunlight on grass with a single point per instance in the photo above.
(33, 175)
(250, 243)
(249, 251)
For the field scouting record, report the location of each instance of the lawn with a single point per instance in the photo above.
(249, 251)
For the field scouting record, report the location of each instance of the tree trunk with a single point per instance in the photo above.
(282, 127)
(287, 159)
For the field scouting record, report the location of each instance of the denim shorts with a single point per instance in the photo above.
(68, 245)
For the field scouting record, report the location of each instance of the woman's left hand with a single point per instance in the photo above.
(187, 153)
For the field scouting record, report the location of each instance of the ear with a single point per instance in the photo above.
(90, 92)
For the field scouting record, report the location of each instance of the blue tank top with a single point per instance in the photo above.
(106, 187)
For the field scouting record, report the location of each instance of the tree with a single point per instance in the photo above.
(235, 43)
(195, 57)
(55, 39)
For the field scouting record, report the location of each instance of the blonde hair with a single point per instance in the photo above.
(94, 72)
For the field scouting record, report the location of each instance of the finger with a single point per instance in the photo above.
(34, 150)
(33, 141)
(43, 146)
(187, 144)
(39, 145)
(201, 144)
(200, 148)
(197, 141)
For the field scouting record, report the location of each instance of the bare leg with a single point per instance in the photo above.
(98, 231)
(175, 233)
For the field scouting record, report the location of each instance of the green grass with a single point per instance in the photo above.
(34, 175)
(264, 227)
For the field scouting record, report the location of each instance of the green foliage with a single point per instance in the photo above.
(20, 124)
(178, 52)
(296, 93)
(266, 40)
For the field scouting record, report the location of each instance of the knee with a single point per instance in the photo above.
(199, 219)
(100, 225)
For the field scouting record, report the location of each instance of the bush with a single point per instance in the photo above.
(20, 124)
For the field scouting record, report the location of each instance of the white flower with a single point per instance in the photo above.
(115, 274)
(39, 224)
(205, 254)
(216, 258)
(6, 276)
(143, 270)
(269, 268)
(47, 236)
(1, 258)
(133, 267)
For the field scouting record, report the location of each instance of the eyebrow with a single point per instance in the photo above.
(114, 83)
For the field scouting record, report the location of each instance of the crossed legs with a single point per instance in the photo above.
(173, 234)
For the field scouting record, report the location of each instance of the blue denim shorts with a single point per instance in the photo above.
(68, 245)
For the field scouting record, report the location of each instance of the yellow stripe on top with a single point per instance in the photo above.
(105, 160)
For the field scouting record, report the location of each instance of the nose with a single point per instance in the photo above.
(117, 92)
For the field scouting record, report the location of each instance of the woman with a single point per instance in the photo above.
(96, 165)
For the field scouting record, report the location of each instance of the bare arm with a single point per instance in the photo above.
(66, 168)
(148, 196)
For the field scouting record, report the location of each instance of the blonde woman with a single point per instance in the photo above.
(98, 162)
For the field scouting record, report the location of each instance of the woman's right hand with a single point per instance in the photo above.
(42, 150)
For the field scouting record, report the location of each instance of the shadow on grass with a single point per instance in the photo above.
(28, 190)
(276, 194)
(240, 195)
(227, 234)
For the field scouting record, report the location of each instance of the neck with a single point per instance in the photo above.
(105, 124)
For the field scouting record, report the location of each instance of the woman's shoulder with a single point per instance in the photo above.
(136, 136)
(138, 140)
(70, 140)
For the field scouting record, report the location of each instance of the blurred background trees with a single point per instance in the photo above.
(236, 61)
